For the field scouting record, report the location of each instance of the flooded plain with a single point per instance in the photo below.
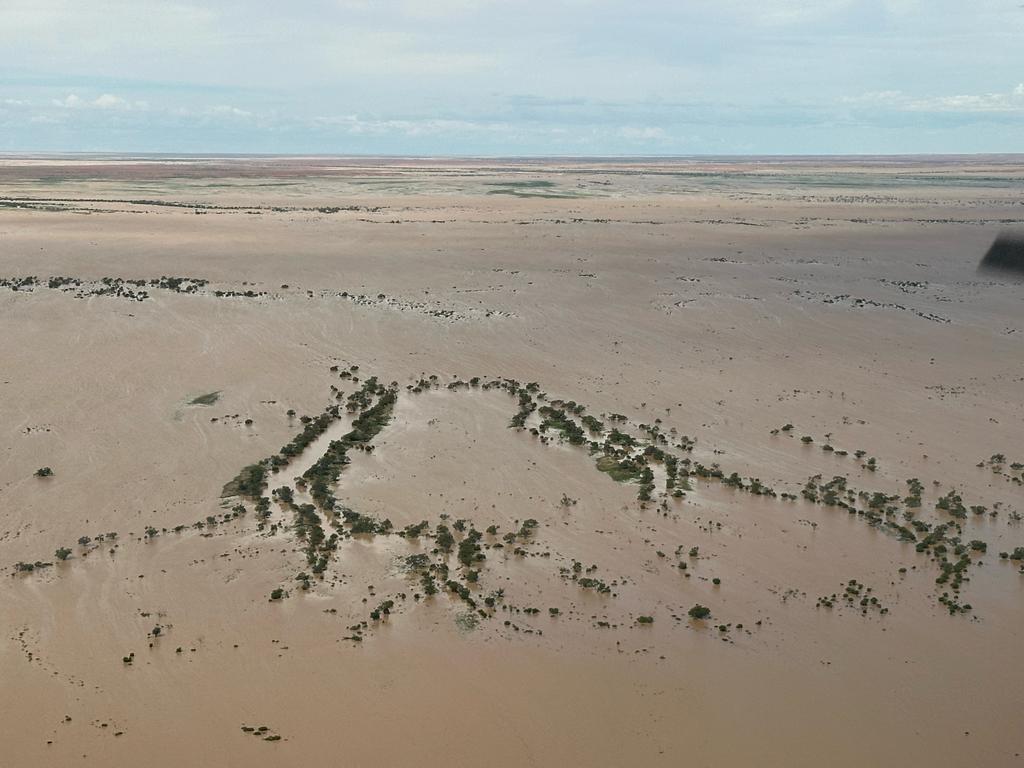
(406, 462)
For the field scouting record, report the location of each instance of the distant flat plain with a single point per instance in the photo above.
(720, 299)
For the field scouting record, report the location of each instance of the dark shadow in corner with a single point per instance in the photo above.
(1006, 256)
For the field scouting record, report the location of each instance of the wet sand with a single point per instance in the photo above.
(724, 299)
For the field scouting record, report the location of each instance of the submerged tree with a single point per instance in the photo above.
(699, 612)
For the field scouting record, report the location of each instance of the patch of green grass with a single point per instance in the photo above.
(619, 472)
(249, 482)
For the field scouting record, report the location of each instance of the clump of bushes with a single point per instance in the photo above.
(699, 612)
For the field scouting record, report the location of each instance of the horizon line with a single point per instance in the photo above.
(118, 154)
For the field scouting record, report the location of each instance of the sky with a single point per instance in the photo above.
(512, 77)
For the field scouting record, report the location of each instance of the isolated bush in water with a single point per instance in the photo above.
(699, 612)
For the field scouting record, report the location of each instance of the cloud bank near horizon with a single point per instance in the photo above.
(512, 76)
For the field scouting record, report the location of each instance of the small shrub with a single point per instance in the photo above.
(699, 612)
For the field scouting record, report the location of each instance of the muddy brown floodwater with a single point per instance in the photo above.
(779, 390)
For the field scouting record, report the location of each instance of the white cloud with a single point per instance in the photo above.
(226, 110)
(105, 101)
(71, 101)
(109, 101)
(985, 102)
(1010, 101)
